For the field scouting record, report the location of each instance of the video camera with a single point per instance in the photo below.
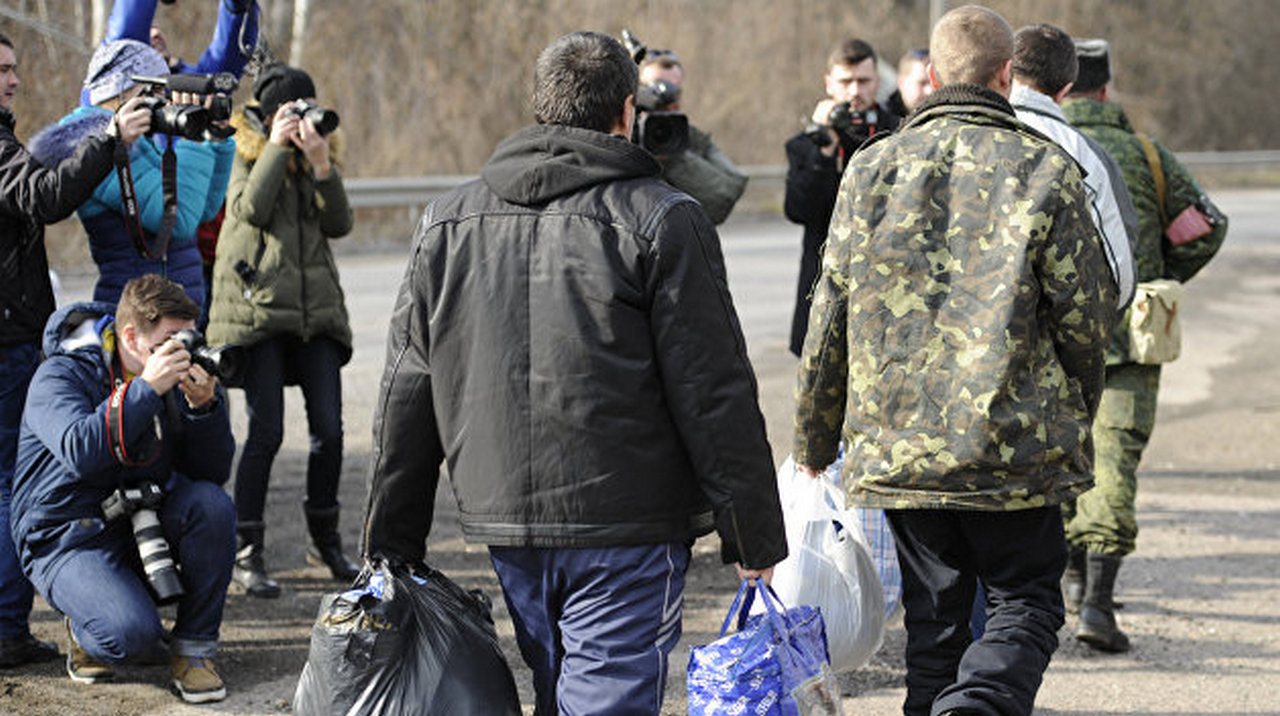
(657, 129)
(192, 122)
(852, 126)
(139, 504)
(225, 362)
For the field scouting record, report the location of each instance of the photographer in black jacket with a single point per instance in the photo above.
(31, 196)
(564, 338)
(840, 123)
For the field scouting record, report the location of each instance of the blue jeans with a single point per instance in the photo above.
(315, 365)
(17, 365)
(595, 625)
(102, 589)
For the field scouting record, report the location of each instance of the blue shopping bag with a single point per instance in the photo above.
(775, 664)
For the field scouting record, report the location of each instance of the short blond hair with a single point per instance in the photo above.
(969, 45)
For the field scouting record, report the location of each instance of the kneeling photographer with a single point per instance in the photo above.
(117, 499)
(134, 225)
(690, 161)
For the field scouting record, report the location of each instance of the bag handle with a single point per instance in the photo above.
(742, 608)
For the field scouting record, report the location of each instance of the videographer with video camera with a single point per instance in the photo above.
(277, 293)
(124, 447)
(135, 226)
(816, 157)
(691, 161)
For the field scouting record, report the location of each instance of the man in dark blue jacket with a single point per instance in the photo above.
(564, 337)
(118, 410)
(33, 195)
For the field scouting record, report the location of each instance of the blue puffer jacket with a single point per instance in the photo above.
(65, 468)
(203, 171)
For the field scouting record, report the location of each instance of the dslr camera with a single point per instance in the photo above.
(193, 122)
(657, 129)
(139, 504)
(325, 120)
(226, 363)
(852, 126)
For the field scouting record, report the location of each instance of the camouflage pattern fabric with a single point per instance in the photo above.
(1154, 256)
(1103, 519)
(958, 325)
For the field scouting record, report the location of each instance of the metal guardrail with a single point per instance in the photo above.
(390, 192)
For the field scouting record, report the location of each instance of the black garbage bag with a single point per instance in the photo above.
(405, 642)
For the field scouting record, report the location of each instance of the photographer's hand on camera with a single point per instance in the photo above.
(167, 366)
(131, 121)
(199, 388)
(315, 147)
(822, 118)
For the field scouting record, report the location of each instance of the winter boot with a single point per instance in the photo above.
(1073, 580)
(250, 571)
(1097, 626)
(325, 549)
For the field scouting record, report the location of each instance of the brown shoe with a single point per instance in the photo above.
(196, 680)
(83, 668)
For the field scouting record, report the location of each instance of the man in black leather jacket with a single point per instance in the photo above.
(564, 338)
(32, 196)
(816, 158)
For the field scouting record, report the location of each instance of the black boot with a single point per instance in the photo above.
(250, 571)
(1073, 580)
(325, 549)
(1097, 612)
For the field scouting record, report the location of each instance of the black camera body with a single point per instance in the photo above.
(325, 120)
(192, 122)
(139, 503)
(226, 363)
(853, 126)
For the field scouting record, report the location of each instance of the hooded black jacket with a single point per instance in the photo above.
(30, 197)
(564, 338)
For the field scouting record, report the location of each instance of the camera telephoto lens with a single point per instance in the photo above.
(157, 562)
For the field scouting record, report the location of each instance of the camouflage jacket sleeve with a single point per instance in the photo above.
(824, 365)
(1185, 261)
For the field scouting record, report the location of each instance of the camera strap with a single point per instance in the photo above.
(113, 419)
(129, 200)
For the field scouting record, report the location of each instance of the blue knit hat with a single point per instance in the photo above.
(115, 62)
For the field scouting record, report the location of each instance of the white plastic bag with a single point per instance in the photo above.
(829, 567)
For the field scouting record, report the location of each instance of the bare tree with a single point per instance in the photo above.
(301, 16)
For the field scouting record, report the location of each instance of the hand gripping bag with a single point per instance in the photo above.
(829, 567)
(774, 665)
(405, 642)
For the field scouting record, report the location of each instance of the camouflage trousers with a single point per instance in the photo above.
(1103, 519)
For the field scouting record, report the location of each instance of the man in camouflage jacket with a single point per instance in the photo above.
(957, 336)
(1101, 525)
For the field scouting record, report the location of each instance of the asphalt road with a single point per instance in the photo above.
(1202, 592)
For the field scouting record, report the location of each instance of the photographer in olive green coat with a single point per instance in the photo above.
(276, 292)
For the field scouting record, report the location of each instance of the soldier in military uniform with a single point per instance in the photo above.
(956, 343)
(1101, 527)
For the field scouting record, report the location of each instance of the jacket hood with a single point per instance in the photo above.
(58, 141)
(73, 327)
(251, 138)
(1082, 111)
(546, 161)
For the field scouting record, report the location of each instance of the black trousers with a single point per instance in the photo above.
(1019, 555)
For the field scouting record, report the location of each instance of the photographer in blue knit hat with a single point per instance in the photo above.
(161, 237)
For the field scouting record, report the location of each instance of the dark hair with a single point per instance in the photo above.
(1044, 56)
(151, 297)
(851, 51)
(583, 80)
(919, 54)
(4, 40)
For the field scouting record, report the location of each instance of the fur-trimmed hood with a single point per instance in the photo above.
(251, 136)
(59, 140)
